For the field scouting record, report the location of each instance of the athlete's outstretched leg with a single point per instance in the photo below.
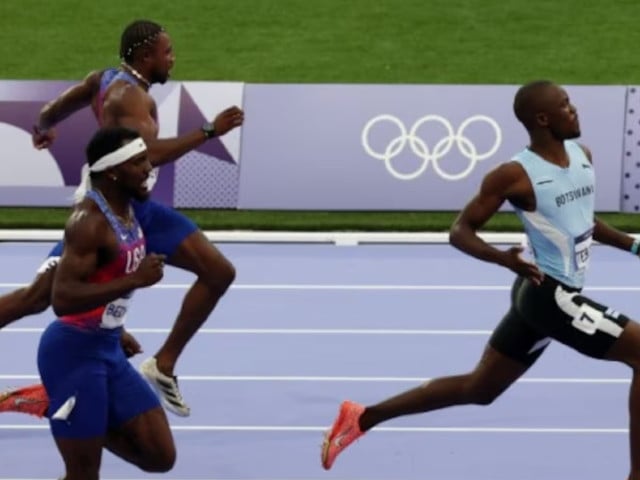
(32, 400)
(627, 350)
(491, 377)
(494, 373)
(28, 300)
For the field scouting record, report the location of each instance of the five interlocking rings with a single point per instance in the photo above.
(420, 148)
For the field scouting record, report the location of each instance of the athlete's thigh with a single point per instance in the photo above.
(626, 348)
(164, 228)
(135, 411)
(130, 395)
(515, 337)
(76, 384)
(576, 320)
(77, 402)
(198, 255)
(150, 434)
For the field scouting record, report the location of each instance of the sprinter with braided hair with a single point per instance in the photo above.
(120, 97)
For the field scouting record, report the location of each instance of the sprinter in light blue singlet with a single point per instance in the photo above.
(551, 185)
(561, 227)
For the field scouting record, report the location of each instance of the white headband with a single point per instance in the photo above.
(124, 153)
(112, 159)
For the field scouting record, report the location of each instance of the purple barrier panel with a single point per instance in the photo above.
(631, 162)
(401, 147)
(29, 177)
(208, 177)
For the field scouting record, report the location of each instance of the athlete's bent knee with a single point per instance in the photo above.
(161, 462)
(218, 274)
(225, 274)
(197, 255)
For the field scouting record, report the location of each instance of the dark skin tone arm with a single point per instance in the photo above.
(507, 182)
(606, 234)
(73, 99)
(128, 106)
(88, 241)
(132, 107)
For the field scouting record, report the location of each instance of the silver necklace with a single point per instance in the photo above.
(137, 74)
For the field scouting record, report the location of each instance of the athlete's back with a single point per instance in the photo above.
(119, 95)
(118, 100)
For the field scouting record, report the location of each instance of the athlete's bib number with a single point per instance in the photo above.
(587, 320)
(587, 316)
(582, 249)
(115, 313)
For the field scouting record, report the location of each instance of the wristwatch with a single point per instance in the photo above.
(208, 129)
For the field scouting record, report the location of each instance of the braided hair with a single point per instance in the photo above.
(140, 33)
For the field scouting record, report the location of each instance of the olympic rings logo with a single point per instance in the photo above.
(420, 148)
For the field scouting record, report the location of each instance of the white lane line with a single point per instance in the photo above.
(361, 379)
(289, 331)
(320, 428)
(365, 287)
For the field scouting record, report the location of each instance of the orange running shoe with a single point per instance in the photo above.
(344, 432)
(32, 400)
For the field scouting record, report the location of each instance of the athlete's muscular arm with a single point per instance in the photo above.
(608, 235)
(503, 183)
(70, 101)
(604, 233)
(86, 234)
(29, 300)
(132, 108)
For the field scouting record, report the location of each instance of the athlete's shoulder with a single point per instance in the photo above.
(504, 178)
(86, 225)
(122, 96)
(511, 169)
(584, 149)
(93, 79)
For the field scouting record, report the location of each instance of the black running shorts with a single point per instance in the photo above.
(552, 310)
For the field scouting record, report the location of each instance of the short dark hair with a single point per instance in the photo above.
(138, 34)
(524, 103)
(107, 140)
